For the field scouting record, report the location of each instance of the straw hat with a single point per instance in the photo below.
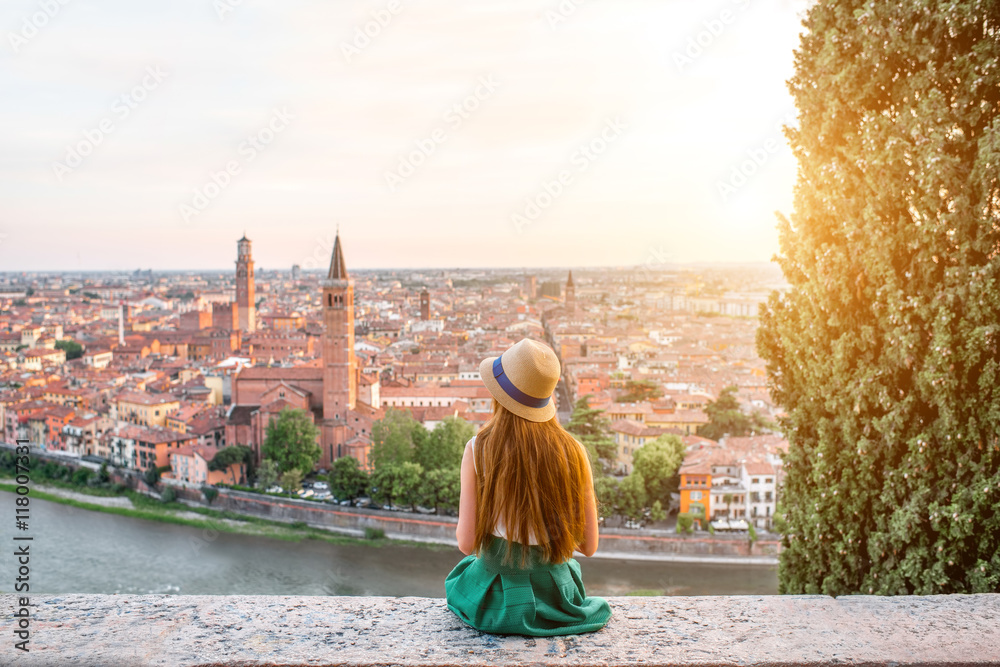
(523, 378)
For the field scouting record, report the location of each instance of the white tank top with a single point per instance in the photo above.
(500, 530)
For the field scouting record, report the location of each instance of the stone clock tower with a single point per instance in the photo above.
(245, 286)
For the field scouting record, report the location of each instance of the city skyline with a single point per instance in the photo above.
(520, 133)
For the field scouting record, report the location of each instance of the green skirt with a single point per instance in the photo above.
(541, 599)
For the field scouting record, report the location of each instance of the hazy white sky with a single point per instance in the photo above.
(117, 113)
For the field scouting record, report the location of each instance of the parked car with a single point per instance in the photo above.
(305, 493)
(274, 489)
(321, 486)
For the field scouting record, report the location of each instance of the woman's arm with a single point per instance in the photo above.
(466, 531)
(590, 534)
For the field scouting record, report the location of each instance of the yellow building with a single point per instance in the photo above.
(629, 436)
(687, 421)
(144, 408)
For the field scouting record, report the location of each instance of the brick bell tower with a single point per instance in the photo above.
(340, 367)
(246, 308)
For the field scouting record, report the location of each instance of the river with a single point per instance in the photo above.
(81, 551)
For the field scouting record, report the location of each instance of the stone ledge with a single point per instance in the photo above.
(717, 630)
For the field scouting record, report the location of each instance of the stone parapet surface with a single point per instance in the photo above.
(717, 630)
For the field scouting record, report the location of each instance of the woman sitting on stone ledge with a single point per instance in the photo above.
(527, 504)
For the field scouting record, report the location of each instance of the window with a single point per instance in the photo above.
(768, 496)
(767, 480)
(696, 495)
(755, 480)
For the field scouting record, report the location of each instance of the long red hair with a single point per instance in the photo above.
(532, 476)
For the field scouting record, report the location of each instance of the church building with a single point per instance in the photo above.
(328, 393)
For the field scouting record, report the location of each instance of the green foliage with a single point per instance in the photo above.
(374, 533)
(397, 484)
(594, 431)
(711, 529)
(347, 479)
(102, 476)
(210, 493)
(752, 534)
(726, 418)
(608, 496)
(685, 523)
(82, 475)
(227, 456)
(441, 489)
(442, 448)
(73, 349)
(633, 496)
(290, 441)
(656, 512)
(267, 474)
(885, 350)
(169, 495)
(658, 462)
(393, 438)
(291, 481)
(641, 390)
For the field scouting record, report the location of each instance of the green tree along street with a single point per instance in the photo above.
(885, 351)
(398, 438)
(658, 462)
(291, 480)
(267, 474)
(608, 496)
(392, 438)
(72, 349)
(290, 441)
(632, 496)
(397, 485)
(441, 489)
(442, 448)
(347, 480)
(591, 429)
(726, 418)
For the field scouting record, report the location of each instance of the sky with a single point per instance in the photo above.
(493, 133)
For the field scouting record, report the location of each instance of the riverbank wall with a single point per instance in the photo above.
(618, 543)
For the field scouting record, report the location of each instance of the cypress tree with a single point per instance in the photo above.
(885, 351)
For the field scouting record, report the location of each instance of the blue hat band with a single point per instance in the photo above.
(514, 392)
